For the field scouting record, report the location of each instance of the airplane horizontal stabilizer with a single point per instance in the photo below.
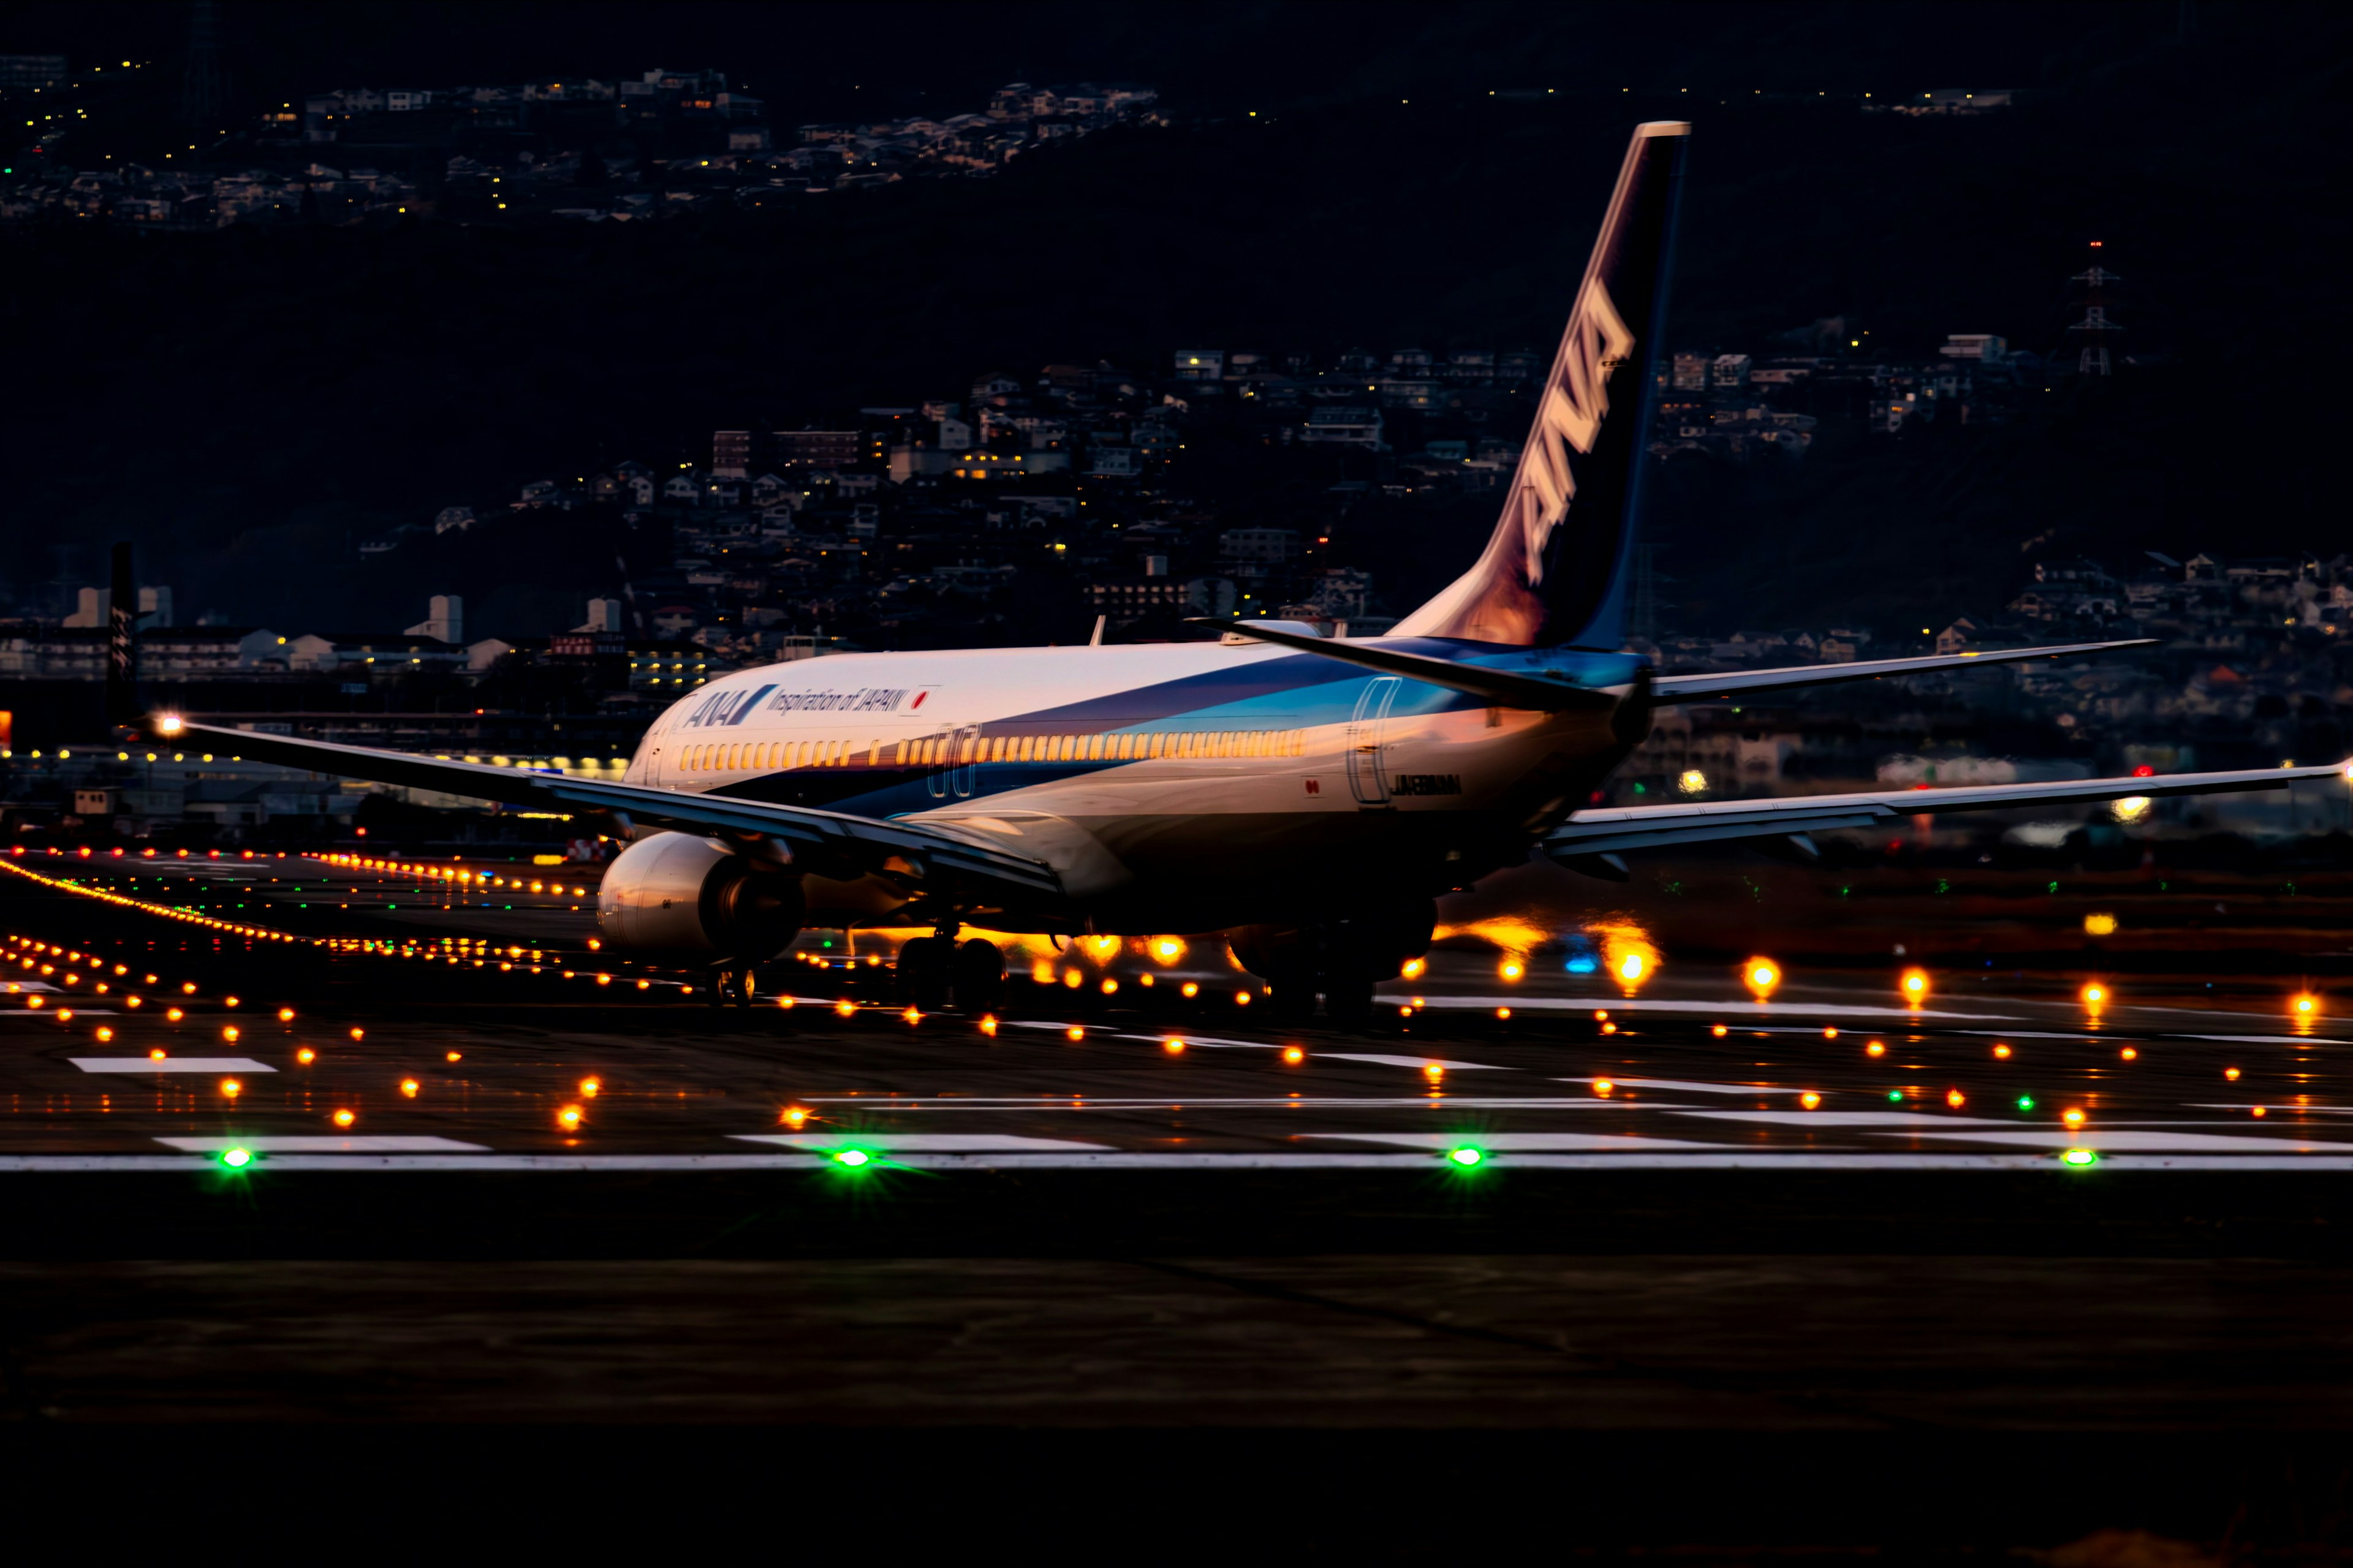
(1736, 683)
(1504, 688)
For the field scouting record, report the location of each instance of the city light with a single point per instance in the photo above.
(1762, 975)
(1914, 985)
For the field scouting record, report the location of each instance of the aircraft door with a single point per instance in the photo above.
(1367, 777)
(964, 778)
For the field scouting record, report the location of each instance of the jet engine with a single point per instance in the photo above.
(677, 892)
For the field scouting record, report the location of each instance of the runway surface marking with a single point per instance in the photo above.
(2192, 1142)
(1521, 1142)
(1848, 1118)
(2268, 1039)
(1688, 1085)
(1183, 1102)
(1419, 1063)
(1429, 1162)
(1614, 1006)
(306, 1143)
(920, 1143)
(169, 1064)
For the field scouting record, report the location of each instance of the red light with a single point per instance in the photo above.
(2144, 772)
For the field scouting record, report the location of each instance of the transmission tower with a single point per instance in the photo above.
(204, 88)
(2096, 325)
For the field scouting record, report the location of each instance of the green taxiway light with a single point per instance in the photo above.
(2079, 1157)
(1895, 1094)
(236, 1159)
(2025, 1102)
(1466, 1156)
(853, 1158)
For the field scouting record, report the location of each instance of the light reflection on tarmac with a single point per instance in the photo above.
(435, 1045)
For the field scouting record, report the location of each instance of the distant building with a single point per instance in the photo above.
(445, 620)
(1983, 346)
(31, 73)
(1199, 365)
(1344, 426)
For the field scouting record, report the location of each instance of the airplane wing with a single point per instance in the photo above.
(1733, 683)
(1510, 688)
(830, 843)
(1589, 840)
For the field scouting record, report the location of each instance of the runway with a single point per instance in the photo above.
(414, 1158)
(440, 1049)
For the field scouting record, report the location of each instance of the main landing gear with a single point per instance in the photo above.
(935, 969)
(1340, 960)
(737, 983)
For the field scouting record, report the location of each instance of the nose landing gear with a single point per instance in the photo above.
(932, 969)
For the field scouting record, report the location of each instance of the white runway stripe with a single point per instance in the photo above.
(1417, 1063)
(376, 1143)
(169, 1064)
(1435, 1099)
(1520, 1143)
(916, 1142)
(2144, 1143)
(1850, 1118)
(1687, 1085)
(1421, 1162)
(2267, 1039)
(1728, 1009)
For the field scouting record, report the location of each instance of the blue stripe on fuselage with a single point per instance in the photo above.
(1275, 685)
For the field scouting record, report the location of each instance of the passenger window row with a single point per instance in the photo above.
(946, 751)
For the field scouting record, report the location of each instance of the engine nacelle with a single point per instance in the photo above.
(677, 892)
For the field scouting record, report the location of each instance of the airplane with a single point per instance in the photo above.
(1305, 796)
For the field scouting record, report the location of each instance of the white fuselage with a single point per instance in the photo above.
(1171, 785)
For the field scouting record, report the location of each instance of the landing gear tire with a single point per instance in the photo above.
(978, 975)
(924, 973)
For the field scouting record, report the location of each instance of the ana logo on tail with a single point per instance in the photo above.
(1575, 401)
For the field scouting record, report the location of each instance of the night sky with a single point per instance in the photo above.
(236, 404)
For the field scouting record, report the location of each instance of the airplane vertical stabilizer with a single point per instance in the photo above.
(1556, 570)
